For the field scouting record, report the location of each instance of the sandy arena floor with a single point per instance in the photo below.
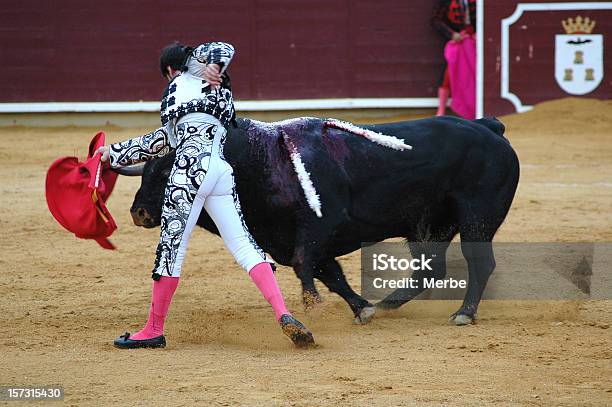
(64, 300)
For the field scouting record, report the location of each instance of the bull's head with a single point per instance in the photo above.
(147, 206)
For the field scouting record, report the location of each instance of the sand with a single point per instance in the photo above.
(64, 300)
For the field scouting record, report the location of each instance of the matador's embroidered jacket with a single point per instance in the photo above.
(188, 92)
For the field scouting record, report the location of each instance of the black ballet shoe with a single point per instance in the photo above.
(124, 342)
(296, 331)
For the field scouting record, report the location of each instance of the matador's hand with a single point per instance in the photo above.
(212, 75)
(105, 152)
(457, 37)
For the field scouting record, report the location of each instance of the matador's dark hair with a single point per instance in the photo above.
(174, 55)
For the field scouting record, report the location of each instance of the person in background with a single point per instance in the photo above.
(453, 20)
(196, 110)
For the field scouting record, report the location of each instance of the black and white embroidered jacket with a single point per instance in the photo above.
(188, 92)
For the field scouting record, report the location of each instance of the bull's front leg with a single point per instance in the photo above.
(330, 274)
(305, 267)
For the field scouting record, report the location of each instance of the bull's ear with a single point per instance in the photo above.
(135, 170)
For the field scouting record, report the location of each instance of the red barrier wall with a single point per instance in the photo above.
(100, 51)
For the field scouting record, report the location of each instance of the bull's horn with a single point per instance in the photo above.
(135, 170)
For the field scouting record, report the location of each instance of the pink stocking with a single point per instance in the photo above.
(264, 279)
(161, 297)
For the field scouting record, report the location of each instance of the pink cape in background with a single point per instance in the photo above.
(461, 60)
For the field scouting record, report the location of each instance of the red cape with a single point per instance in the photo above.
(76, 193)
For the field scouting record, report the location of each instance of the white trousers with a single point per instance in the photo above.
(201, 178)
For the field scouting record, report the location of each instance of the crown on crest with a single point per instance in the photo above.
(580, 26)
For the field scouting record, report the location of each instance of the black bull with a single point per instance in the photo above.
(460, 177)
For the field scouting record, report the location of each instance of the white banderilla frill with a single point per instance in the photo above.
(378, 138)
(312, 197)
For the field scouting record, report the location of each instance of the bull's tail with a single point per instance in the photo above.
(493, 124)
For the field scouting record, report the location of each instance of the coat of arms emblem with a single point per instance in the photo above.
(579, 57)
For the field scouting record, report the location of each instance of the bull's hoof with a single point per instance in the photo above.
(296, 331)
(461, 319)
(365, 315)
(311, 300)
